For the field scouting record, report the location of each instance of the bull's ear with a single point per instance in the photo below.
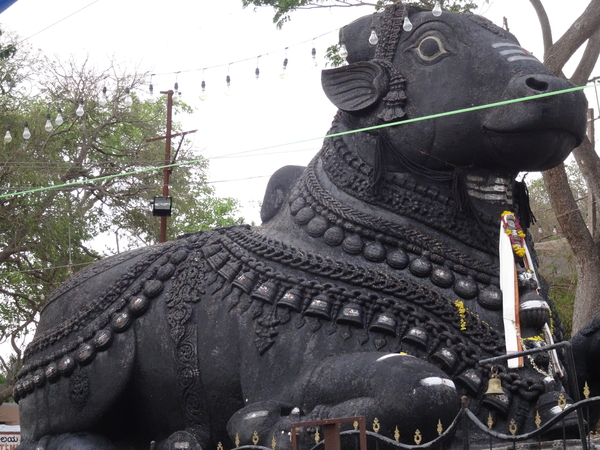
(356, 86)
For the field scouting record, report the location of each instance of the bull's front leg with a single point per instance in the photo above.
(408, 392)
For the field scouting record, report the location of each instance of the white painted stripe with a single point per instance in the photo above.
(505, 44)
(437, 381)
(513, 51)
(521, 58)
(507, 285)
(392, 355)
(256, 415)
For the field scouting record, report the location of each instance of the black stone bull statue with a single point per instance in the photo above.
(375, 285)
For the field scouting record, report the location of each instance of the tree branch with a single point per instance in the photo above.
(580, 31)
(588, 60)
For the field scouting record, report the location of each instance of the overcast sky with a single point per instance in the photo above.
(186, 36)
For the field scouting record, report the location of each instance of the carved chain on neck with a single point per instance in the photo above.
(402, 195)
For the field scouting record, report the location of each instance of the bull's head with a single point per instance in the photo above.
(447, 63)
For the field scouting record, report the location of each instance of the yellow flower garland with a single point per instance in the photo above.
(515, 234)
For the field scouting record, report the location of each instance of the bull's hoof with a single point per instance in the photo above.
(261, 422)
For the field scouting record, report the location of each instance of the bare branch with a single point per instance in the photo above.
(580, 31)
(588, 60)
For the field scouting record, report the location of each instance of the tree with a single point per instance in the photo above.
(557, 263)
(585, 247)
(283, 8)
(47, 235)
(585, 30)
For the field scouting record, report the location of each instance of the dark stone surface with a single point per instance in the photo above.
(371, 288)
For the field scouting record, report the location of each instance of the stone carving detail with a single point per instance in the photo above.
(373, 286)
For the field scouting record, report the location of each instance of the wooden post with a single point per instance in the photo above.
(331, 431)
(167, 170)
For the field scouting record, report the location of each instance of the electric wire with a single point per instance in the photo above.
(59, 21)
(375, 127)
(251, 58)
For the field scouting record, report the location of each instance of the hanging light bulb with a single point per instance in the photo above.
(151, 95)
(151, 90)
(282, 75)
(257, 70)
(59, 119)
(79, 111)
(407, 24)
(203, 93)
(176, 92)
(313, 52)
(228, 81)
(373, 39)
(343, 52)
(437, 9)
(26, 133)
(285, 63)
(48, 127)
(103, 100)
(7, 136)
(128, 100)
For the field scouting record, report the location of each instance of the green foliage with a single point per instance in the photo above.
(332, 55)
(284, 8)
(540, 203)
(556, 259)
(562, 292)
(7, 51)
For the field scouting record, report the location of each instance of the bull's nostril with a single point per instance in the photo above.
(536, 85)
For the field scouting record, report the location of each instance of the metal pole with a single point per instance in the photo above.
(166, 170)
(571, 375)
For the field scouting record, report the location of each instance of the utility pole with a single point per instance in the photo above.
(167, 170)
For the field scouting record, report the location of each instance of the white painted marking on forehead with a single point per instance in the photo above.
(513, 51)
(505, 44)
(522, 58)
(437, 381)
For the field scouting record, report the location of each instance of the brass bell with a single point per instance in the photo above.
(494, 384)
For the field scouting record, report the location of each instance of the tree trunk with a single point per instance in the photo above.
(586, 252)
(573, 226)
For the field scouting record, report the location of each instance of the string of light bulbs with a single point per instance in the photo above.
(375, 127)
(128, 100)
(203, 84)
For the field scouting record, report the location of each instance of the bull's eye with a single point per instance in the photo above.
(430, 48)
